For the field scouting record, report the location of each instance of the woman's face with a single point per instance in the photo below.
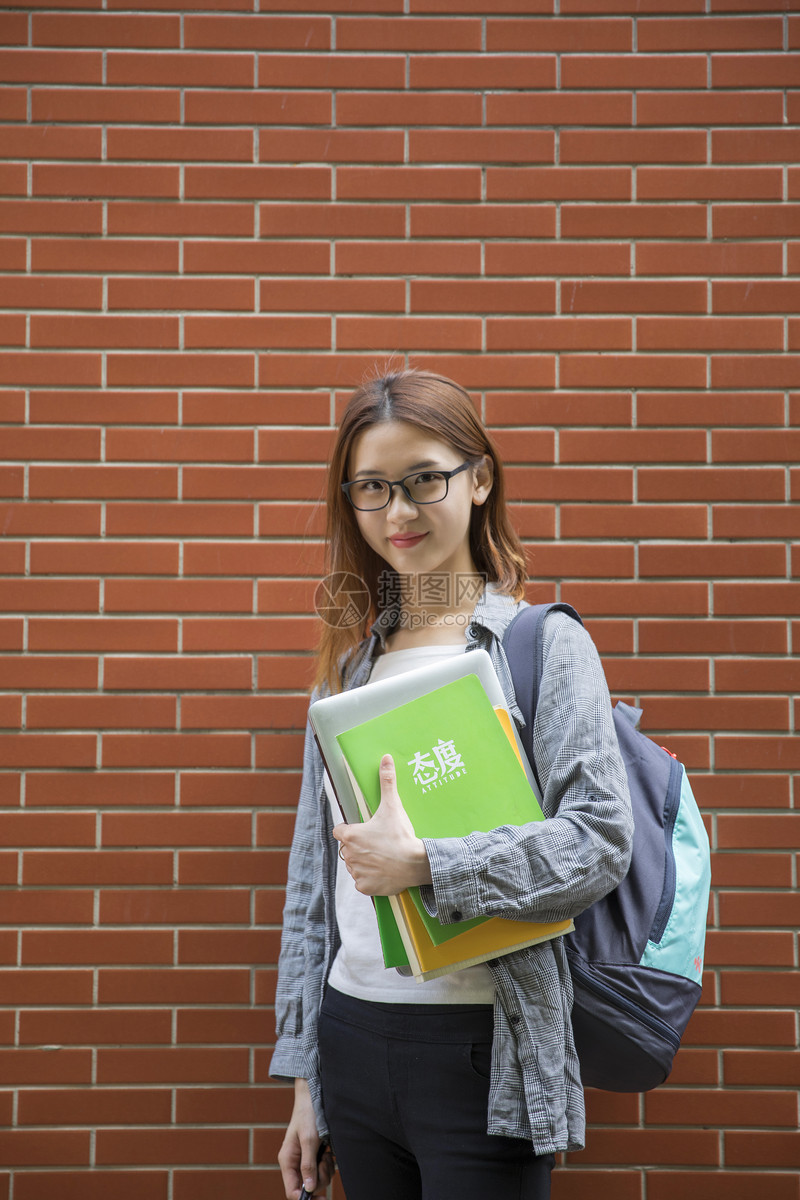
(415, 538)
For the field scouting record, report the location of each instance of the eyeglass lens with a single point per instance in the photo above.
(425, 488)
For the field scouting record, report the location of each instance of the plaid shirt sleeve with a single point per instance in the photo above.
(550, 870)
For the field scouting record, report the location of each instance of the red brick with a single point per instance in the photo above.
(229, 946)
(46, 216)
(191, 69)
(408, 183)
(770, 1067)
(408, 33)
(105, 105)
(557, 333)
(247, 1106)
(105, 179)
(96, 946)
(261, 32)
(752, 870)
(756, 220)
(254, 182)
(634, 370)
(688, 1147)
(760, 753)
(92, 1185)
(712, 108)
(101, 712)
(30, 987)
(45, 671)
(230, 868)
(242, 712)
(102, 482)
(257, 332)
(248, 635)
(341, 295)
(176, 750)
(29, 369)
(705, 410)
(558, 108)
(710, 561)
(179, 220)
(497, 220)
(170, 1146)
(106, 331)
(220, 789)
(712, 483)
(27, 907)
(168, 906)
(339, 220)
(759, 1148)
(172, 1065)
(93, 1027)
(407, 333)
(96, 867)
(490, 145)
(102, 633)
(216, 1025)
(408, 109)
(678, 1106)
(21, 1148)
(106, 408)
(633, 221)
(180, 370)
(752, 987)
(742, 791)
(105, 30)
(722, 1185)
(11, 634)
(172, 986)
(97, 1106)
(37, 595)
(714, 33)
(269, 408)
(180, 520)
(540, 34)
(176, 673)
(715, 636)
(106, 558)
(333, 70)
(51, 66)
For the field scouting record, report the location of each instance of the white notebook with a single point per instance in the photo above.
(334, 714)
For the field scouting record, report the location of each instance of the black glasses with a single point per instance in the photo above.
(421, 487)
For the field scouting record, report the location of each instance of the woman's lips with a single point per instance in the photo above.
(403, 540)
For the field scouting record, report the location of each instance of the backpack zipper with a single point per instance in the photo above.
(608, 993)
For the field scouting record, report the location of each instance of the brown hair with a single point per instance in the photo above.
(441, 408)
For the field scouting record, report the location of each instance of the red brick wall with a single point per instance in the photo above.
(212, 223)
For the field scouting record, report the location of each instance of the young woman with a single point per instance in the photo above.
(465, 1085)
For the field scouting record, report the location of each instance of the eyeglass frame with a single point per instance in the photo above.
(401, 483)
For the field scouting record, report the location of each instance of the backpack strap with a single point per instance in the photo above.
(523, 642)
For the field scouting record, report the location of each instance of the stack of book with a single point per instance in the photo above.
(459, 771)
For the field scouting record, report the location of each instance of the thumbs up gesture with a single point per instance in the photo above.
(384, 855)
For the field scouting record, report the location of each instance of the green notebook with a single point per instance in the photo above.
(457, 772)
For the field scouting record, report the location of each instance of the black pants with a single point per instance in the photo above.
(405, 1088)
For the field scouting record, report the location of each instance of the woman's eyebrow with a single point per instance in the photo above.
(429, 462)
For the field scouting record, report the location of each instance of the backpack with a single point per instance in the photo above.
(636, 955)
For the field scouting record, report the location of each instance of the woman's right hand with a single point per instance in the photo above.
(297, 1157)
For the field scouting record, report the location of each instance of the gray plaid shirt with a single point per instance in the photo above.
(544, 871)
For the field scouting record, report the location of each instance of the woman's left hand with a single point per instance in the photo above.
(384, 855)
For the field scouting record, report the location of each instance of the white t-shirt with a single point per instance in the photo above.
(358, 968)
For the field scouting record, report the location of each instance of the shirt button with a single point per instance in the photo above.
(455, 915)
(515, 1018)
